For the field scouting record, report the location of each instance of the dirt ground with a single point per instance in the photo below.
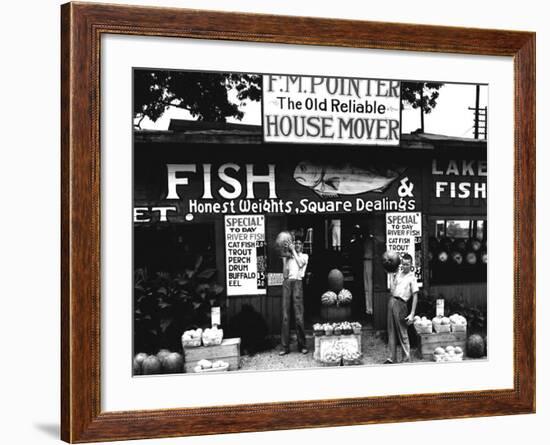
(373, 347)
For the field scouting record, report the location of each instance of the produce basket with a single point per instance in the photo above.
(220, 369)
(423, 329)
(212, 341)
(357, 331)
(458, 357)
(347, 331)
(458, 323)
(212, 337)
(337, 331)
(349, 362)
(458, 327)
(439, 328)
(193, 343)
(318, 332)
(447, 358)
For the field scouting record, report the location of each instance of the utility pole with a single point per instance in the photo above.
(480, 117)
(476, 118)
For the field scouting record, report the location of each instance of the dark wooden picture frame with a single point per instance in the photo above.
(82, 26)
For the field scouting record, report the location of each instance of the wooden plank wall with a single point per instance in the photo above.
(267, 305)
(472, 294)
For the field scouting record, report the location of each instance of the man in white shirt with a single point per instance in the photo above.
(294, 270)
(403, 287)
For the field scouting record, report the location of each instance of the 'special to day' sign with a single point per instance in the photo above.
(404, 235)
(331, 110)
(245, 255)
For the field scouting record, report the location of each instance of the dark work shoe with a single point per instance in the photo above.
(284, 352)
(304, 351)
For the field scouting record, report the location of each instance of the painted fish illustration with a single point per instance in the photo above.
(345, 179)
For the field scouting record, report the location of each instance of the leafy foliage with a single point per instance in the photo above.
(204, 95)
(421, 94)
(165, 305)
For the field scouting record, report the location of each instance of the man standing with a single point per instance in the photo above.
(294, 270)
(403, 287)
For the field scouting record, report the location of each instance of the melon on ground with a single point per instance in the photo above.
(173, 363)
(162, 354)
(475, 346)
(137, 363)
(151, 365)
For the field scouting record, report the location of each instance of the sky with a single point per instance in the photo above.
(450, 117)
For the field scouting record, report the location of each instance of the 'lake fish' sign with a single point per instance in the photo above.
(331, 110)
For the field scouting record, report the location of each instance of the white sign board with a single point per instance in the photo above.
(216, 318)
(331, 110)
(245, 255)
(274, 279)
(440, 307)
(404, 235)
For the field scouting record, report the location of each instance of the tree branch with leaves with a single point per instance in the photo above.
(206, 96)
(421, 95)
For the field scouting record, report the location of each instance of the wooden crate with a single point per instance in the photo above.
(336, 313)
(229, 351)
(323, 340)
(428, 342)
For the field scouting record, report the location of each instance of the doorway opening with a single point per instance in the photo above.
(343, 242)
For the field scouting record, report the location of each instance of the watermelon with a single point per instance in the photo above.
(151, 365)
(138, 363)
(471, 258)
(457, 257)
(475, 346)
(328, 298)
(460, 245)
(446, 243)
(282, 241)
(475, 245)
(335, 280)
(442, 256)
(344, 297)
(162, 354)
(391, 261)
(173, 363)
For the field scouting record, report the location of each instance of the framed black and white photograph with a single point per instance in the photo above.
(286, 222)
